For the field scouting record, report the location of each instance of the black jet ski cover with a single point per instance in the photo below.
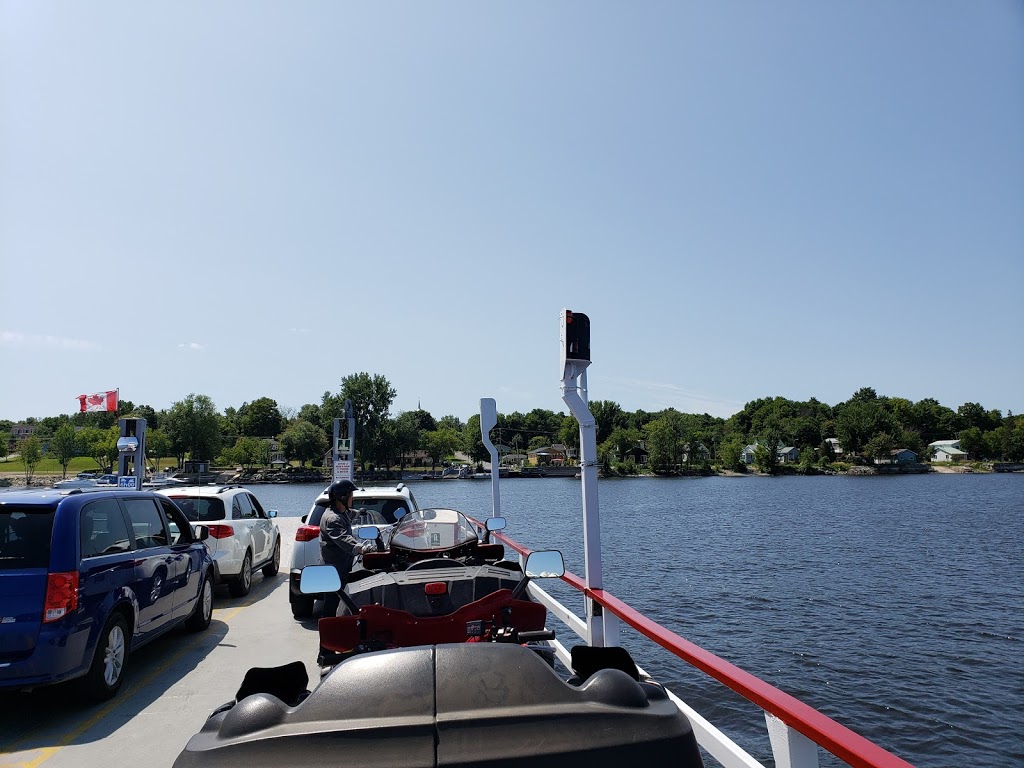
(466, 704)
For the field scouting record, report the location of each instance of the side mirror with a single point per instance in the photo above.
(304, 519)
(201, 532)
(545, 564)
(495, 524)
(271, 513)
(316, 579)
(368, 532)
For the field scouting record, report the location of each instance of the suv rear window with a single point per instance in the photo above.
(25, 537)
(200, 508)
(390, 509)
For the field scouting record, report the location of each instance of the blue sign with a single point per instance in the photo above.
(127, 482)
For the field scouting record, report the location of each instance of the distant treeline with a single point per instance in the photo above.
(866, 426)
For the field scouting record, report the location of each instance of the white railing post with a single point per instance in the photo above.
(575, 357)
(791, 748)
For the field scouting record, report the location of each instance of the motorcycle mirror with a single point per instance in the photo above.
(545, 564)
(368, 532)
(319, 578)
(495, 524)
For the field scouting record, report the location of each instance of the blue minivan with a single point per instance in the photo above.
(88, 575)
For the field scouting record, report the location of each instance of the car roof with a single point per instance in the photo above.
(400, 491)
(51, 497)
(199, 490)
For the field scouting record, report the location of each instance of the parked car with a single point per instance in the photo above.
(242, 534)
(382, 507)
(88, 576)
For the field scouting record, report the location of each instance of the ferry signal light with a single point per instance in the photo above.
(577, 336)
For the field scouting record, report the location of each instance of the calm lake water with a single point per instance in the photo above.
(895, 605)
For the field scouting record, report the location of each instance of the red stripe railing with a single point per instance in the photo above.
(848, 746)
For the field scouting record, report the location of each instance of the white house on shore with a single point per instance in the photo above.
(946, 450)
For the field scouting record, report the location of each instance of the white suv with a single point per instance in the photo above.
(383, 507)
(242, 536)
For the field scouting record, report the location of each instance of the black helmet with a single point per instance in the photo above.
(340, 489)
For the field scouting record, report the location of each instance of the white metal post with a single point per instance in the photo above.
(574, 365)
(488, 419)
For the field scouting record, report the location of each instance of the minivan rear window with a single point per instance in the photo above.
(200, 508)
(25, 537)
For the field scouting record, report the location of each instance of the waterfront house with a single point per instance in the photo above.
(946, 450)
(788, 454)
(833, 443)
(700, 454)
(898, 456)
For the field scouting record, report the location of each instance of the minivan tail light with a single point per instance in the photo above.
(61, 595)
(221, 531)
(307, 532)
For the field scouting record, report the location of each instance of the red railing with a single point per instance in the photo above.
(848, 746)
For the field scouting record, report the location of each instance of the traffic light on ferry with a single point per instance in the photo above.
(577, 336)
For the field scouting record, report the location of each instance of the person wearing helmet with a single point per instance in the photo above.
(338, 545)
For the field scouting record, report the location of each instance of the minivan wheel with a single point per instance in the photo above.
(106, 673)
(271, 568)
(203, 612)
(240, 587)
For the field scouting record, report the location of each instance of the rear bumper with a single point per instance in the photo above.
(58, 655)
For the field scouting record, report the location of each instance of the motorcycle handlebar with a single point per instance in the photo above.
(540, 634)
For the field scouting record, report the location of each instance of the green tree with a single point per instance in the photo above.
(158, 445)
(729, 453)
(304, 442)
(101, 445)
(569, 434)
(766, 454)
(406, 435)
(194, 428)
(972, 442)
(662, 442)
(607, 416)
(859, 421)
(371, 398)
(64, 446)
(311, 413)
(251, 452)
(30, 449)
(441, 443)
(260, 418)
(880, 447)
(472, 443)
(450, 422)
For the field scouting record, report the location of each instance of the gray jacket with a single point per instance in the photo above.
(338, 545)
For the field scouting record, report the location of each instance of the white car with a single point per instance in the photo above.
(383, 506)
(242, 534)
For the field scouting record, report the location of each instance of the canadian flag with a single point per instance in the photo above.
(101, 401)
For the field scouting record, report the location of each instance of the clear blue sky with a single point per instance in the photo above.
(247, 199)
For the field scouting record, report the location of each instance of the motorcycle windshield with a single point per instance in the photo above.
(432, 529)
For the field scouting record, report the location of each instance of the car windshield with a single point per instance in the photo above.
(428, 529)
(25, 537)
(200, 508)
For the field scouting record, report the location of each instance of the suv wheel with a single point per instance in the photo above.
(203, 612)
(271, 568)
(240, 587)
(302, 605)
(106, 673)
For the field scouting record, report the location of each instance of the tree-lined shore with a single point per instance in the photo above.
(867, 426)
